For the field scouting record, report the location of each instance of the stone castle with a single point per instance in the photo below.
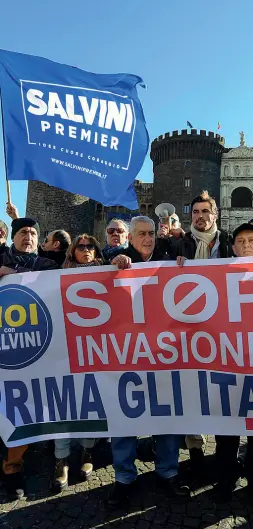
(183, 164)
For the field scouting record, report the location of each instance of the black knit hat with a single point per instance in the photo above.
(244, 227)
(25, 222)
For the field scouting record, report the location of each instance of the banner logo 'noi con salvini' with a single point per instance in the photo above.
(25, 327)
(88, 118)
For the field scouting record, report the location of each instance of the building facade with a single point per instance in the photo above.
(236, 186)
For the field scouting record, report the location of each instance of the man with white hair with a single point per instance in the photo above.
(142, 248)
(116, 238)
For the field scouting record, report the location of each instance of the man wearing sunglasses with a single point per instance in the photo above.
(142, 248)
(3, 236)
(55, 246)
(116, 238)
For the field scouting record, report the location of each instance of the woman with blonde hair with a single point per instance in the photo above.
(84, 251)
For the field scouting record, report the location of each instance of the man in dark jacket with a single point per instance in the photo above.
(21, 257)
(142, 249)
(204, 240)
(55, 246)
(3, 236)
(167, 236)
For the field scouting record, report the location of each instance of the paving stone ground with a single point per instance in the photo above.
(83, 505)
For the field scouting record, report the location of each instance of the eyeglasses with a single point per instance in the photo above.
(82, 247)
(111, 231)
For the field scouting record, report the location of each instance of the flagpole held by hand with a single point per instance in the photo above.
(8, 189)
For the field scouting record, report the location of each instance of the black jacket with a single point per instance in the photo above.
(137, 258)
(40, 264)
(57, 257)
(168, 247)
(3, 248)
(186, 247)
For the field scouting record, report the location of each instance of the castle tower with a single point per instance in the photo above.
(185, 164)
(58, 209)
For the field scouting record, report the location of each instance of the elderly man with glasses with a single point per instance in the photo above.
(116, 237)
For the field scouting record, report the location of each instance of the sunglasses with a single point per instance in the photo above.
(111, 231)
(82, 247)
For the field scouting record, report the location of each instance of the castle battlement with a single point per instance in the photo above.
(189, 134)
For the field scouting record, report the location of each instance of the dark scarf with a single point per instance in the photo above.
(27, 260)
(110, 253)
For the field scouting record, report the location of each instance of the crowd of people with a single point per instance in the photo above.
(125, 245)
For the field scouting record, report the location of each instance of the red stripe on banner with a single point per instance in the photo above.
(249, 423)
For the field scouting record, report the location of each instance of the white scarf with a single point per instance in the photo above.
(204, 238)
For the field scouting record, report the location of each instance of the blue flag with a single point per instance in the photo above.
(79, 131)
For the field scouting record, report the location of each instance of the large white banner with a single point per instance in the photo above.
(99, 352)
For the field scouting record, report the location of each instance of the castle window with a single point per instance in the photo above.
(187, 164)
(187, 208)
(99, 208)
(187, 182)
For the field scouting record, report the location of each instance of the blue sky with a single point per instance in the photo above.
(195, 57)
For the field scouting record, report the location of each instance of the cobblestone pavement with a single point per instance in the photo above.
(83, 505)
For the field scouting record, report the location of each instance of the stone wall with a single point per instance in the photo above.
(55, 209)
(58, 209)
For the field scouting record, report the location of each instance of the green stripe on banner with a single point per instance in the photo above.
(35, 430)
